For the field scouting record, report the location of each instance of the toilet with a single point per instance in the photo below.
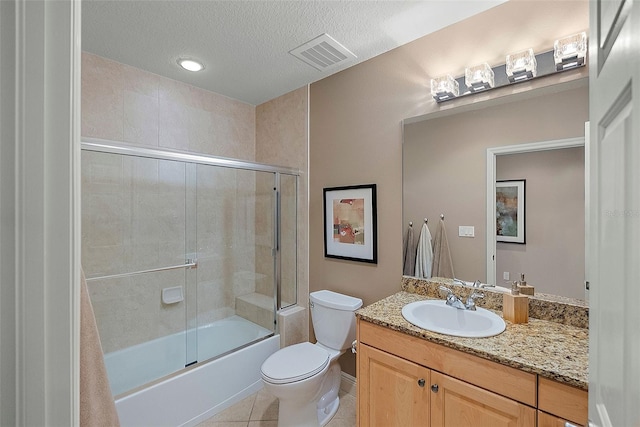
(306, 377)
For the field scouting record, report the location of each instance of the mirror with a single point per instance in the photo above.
(446, 168)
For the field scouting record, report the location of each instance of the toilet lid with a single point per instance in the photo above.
(294, 363)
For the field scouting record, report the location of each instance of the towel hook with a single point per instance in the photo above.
(442, 217)
(426, 220)
(410, 223)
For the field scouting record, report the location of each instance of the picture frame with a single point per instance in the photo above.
(350, 223)
(510, 211)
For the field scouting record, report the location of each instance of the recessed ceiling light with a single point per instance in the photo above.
(190, 64)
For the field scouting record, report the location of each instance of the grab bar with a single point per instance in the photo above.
(189, 264)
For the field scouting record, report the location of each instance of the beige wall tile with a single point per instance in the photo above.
(140, 118)
(134, 211)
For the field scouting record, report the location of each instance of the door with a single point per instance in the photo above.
(614, 271)
(391, 391)
(455, 403)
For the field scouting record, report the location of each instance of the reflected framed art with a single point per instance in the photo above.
(510, 211)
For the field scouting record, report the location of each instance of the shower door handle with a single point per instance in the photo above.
(277, 222)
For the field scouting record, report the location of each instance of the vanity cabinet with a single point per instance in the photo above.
(457, 403)
(561, 404)
(395, 390)
(408, 381)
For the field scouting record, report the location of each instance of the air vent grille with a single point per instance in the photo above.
(323, 53)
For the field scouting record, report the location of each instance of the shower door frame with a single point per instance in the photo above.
(116, 147)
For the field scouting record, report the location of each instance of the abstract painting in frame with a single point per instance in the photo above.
(350, 223)
(510, 211)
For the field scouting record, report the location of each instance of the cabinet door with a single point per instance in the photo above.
(391, 391)
(548, 420)
(455, 403)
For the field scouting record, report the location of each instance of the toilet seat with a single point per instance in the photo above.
(294, 363)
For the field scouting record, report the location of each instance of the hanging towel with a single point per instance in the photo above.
(424, 255)
(97, 407)
(409, 255)
(442, 264)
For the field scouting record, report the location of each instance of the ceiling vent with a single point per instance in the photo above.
(323, 53)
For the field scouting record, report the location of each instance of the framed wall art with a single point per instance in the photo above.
(350, 224)
(510, 211)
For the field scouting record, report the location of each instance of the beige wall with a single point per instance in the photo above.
(356, 131)
(553, 257)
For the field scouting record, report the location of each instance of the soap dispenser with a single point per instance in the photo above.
(515, 306)
(524, 288)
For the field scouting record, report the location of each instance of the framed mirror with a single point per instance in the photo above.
(445, 171)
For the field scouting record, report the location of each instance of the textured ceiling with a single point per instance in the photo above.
(245, 44)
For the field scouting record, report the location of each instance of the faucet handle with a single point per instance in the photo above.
(445, 289)
(475, 295)
(471, 300)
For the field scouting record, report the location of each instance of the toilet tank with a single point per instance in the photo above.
(334, 321)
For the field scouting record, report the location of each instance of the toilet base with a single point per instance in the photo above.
(325, 415)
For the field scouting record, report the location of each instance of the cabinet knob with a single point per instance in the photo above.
(421, 382)
(434, 388)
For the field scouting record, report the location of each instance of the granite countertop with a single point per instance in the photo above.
(550, 349)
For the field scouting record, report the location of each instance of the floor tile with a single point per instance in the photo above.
(261, 410)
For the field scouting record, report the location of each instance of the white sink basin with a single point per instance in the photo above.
(437, 316)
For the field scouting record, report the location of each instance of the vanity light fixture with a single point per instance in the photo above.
(479, 77)
(445, 87)
(521, 66)
(569, 52)
(190, 64)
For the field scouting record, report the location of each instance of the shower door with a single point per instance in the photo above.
(187, 257)
(134, 231)
(235, 214)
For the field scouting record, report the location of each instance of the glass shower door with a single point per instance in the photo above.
(133, 254)
(234, 238)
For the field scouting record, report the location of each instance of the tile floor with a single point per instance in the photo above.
(261, 410)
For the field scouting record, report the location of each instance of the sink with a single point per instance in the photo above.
(437, 316)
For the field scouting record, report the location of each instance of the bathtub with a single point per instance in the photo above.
(191, 396)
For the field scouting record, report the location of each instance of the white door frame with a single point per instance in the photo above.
(40, 212)
(492, 152)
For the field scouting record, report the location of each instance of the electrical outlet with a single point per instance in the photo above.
(505, 275)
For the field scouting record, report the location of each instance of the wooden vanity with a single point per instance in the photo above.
(407, 376)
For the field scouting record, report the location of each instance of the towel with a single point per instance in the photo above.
(409, 255)
(442, 264)
(424, 255)
(97, 407)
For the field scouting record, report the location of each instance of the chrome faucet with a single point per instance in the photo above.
(476, 284)
(461, 282)
(453, 301)
(471, 300)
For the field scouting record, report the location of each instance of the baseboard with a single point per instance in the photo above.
(348, 384)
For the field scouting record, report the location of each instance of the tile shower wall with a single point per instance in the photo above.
(122, 103)
(282, 129)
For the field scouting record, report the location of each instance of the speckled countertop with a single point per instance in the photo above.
(550, 349)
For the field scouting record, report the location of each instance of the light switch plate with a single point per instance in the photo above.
(466, 231)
